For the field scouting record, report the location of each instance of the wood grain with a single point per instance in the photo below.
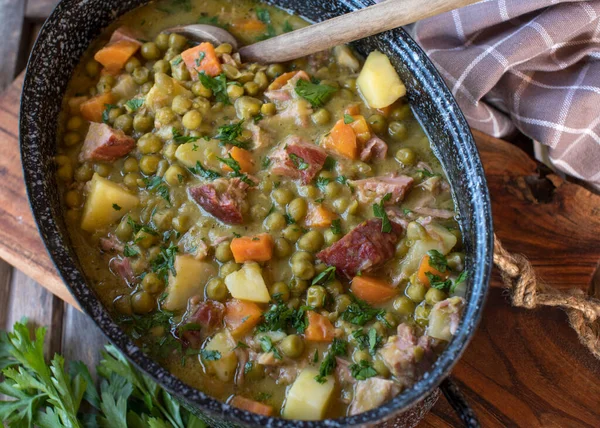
(11, 19)
(523, 368)
(39, 10)
(346, 28)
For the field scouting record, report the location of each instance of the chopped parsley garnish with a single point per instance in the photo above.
(266, 162)
(141, 227)
(134, 104)
(116, 207)
(237, 169)
(348, 119)
(211, 20)
(379, 212)
(277, 318)
(316, 356)
(338, 348)
(362, 370)
(287, 27)
(263, 15)
(248, 367)
(165, 262)
(329, 163)
(216, 84)
(209, 355)
(370, 340)
(241, 345)
(325, 277)
(426, 173)
(462, 277)
(204, 172)
(179, 138)
(258, 118)
(266, 344)
(336, 226)
(289, 219)
(316, 94)
(299, 321)
(156, 184)
(129, 251)
(200, 58)
(359, 313)
(406, 211)
(342, 179)
(228, 134)
(298, 162)
(177, 60)
(437, 260)
(191, 326)
(322, 183)
(106, 112)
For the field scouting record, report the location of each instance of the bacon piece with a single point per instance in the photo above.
(223, 198)
(209, 315)
(363, 249)
(111, 244)
(375, 148)
(125, 33)
(372, 190)
(103, 143)
(297, 159)
(299, 111)
(260, 137)
(122, 267)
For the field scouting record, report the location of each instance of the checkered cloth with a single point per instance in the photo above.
(533, 65)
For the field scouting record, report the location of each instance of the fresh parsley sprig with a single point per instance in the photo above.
(379, 212)
(316, 94)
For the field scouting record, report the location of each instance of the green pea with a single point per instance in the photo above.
(380, 328)
(122, 304)
(275, 70)
(406, 156)
(303, 269)
(331, 238)
(149, 164)
(292, 346)
(261, 79)
(162, 41)
(181, 73)
(292, 233)
(84, 173)
(302, 255)
(192, 120)
(131, 165)
(74, 123)
(132, 64)
(177, 41)
(391, 319)
(165, 116)
(171, 54)
(201, 91)
(397, 131)
(124, 123)
(102, 169)
(223, 252)
(342, 302)
(335, 288)
(142, 302)
(361, 355)
(142, 123)
(149, 143)
(321, 117)
(297, 209)
(349, 83)
(71, 139)
(315, 296)
(181, 105)
(456, 261)
(73, 199)
(175, 175)
(132, 180)
(280, 290)
(333, 189)
(92, 68)
(434, 296)
(381, 368)
(422, 315)
(152, 283)
(162, 66)
(216, 290)
(312, 241)
(228, 268)
(401, 113)
(150, 51)
(224, 48)
(268, 109)
(378, 123)
(181, 223)
(282, 196)
(298, 286)
(247, 107)
(341, 204)
(146, 87)
(415, 231)
(416, 292)
(403, 306)
(235, 91)
(251, 88)
(275, 222)
(141, 75)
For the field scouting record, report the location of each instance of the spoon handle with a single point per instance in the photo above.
(346, 28)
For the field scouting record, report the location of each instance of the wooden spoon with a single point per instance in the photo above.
(327, 34)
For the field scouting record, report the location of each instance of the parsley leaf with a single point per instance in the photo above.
(362, 370)
(263, 15)
(277, 318)
(217, 84)
(287, 27)
(338, 348)
(462, 277)
(209, 355)
(129, 251)
(437, 260)
(156, 184)
(359, 312)
(379, 212)
(317, 95)
(348, 119)
(298, 162)
(336, 226)
(116, 207)
(165, 262)
(342, 179)
(325, 277)
(134, 104)
(426, 173)
(179, 138)
(237, 169)
(228, 134)
(322, 183)
(204, 172)
(289, 219)
(435, 281)
(329, 163)
(266, 345)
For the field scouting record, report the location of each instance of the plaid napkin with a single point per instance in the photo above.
(533, 65)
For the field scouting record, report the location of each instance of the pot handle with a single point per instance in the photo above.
(459, 403)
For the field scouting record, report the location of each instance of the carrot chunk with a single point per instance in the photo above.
(251, 405)
(114, 57)
(319, 216)
(202, 58)
(280, 81)
(92, 109)
(257, 248)
(319, 328)
(425, 268)
(361, 129)
(352, 109)
(372, 290)
(342, 140)
(250, 25)
(241, 316)
(243, 157)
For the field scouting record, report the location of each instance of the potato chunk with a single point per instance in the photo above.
(218, 357)
(379, 82)
(248, 284)
(106, 203)
(163, 92)
(190, 280)
(308, 399)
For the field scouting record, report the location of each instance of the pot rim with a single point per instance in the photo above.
(58, 247)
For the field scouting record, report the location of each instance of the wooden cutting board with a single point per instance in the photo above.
(523, 368)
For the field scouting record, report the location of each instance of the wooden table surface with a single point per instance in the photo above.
(523, 368)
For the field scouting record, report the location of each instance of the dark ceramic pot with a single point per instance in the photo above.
(64, 38)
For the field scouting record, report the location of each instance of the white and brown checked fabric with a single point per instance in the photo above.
(529, 64)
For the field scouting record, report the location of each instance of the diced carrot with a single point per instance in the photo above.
(241, 316)
(342, 140)
(257, 248)
(243, 157)
(372, 290)
(251, 405)
(385, 111)
(352, 109)
(425, 267)
(202, 58)
(250, 25)
(319, 216)
(361, 128)
(280, 81)
(114, 57)
(319, 328)
(93, 108)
